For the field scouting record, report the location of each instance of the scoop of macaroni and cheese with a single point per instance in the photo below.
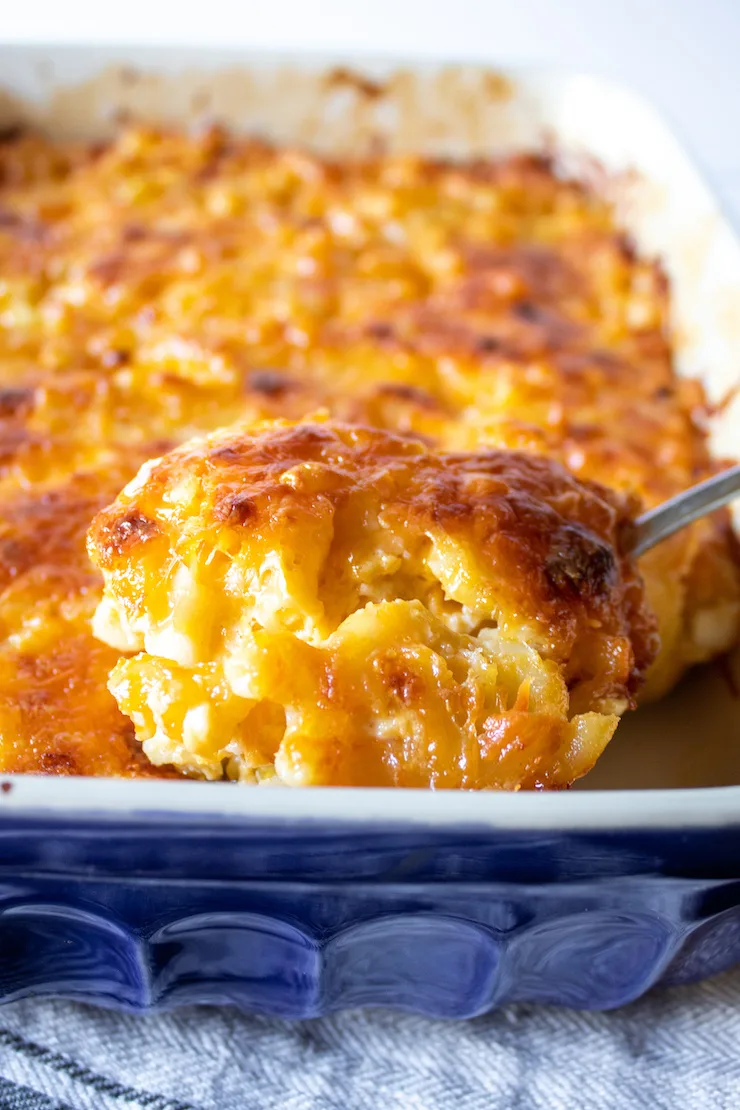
(322, 603)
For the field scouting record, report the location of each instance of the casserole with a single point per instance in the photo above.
(446, 906)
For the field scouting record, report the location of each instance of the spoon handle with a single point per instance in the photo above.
(685, 508)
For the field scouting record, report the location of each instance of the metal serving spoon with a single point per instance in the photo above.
(685, 508)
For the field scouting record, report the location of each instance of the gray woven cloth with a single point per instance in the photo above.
(677, 1049)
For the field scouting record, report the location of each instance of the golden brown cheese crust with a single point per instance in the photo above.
(164, 285)
(56, 715)
(294, 541)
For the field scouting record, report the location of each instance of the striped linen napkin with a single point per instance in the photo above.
(677, 1049)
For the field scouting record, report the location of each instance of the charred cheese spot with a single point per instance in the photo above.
(15, 401)
(127, 532)
(577, 565)
(272, 383)
(235, 508)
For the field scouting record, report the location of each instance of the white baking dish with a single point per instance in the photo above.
(143, 893)
(338, 105)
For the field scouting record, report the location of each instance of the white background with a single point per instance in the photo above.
(684, 54)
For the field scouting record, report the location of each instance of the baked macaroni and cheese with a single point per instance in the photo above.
(451, 361)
